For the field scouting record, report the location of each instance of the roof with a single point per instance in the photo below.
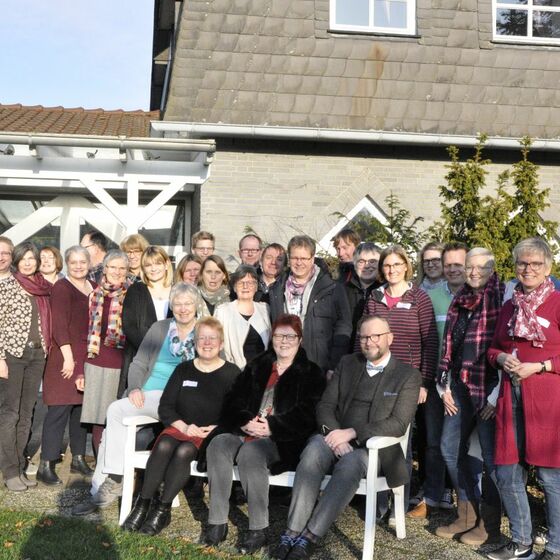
(264, 62)
(58, 120)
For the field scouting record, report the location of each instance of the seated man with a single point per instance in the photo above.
(371, 394)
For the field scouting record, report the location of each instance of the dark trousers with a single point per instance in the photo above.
(18, 395)
(54, 426)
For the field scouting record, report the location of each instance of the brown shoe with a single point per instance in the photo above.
(421, 511)
(466, 520)
(487, 530)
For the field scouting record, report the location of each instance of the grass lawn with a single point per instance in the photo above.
(32, 536)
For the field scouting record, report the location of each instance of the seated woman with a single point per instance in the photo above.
(213, 285)
(246, 322)
(266, 421)
(189, 408)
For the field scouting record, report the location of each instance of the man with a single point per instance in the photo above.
(371, 394)
(430, 272)
(272, 263)
(6, 249)
(435, 494)
(97, 245)
(203, 244)
(250, 249)
(345, 243)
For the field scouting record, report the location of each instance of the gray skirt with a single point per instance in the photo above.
(101, 387)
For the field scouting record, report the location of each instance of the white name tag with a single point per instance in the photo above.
(441, 318)
(403, 305)
(189, 383)
(544, 322)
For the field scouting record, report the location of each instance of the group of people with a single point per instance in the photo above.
(284, 365)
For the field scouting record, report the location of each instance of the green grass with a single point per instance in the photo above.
(32, 536)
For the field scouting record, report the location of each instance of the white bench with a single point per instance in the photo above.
(369, 486)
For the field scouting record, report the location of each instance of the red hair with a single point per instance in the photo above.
(287, 320)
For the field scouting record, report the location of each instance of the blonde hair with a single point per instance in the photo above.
(155, 253)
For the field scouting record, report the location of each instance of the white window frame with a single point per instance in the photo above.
(530, 7)
(371, 28)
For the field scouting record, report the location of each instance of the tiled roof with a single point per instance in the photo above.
(58, 120)
(270, 62)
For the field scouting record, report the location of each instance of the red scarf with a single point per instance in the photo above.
(37, 286)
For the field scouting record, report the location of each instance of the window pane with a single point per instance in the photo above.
(352, 12)
(546, 24)
(390, 13)
(547, 3)
(512, 2)
(511, 22)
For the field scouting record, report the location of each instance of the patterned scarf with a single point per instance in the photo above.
(183, 349)
(523, 322)
(40, 288)
(294, 292)
(221, 295)
(484, 307)
(267, 401)
(114, 336)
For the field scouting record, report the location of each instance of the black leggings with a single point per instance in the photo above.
(170, 463)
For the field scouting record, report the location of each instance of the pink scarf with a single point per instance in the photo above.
(293, 292)
(523, 322)
(38, 287)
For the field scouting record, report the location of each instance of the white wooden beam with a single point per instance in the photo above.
(170, 190)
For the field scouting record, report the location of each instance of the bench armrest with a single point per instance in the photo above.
(139, 420)
(379, 442)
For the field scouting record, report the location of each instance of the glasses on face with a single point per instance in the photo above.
(204, 249)
(535, 266)
(134, 252)
(208, 338)
(88, 246)
(370, 262)
(250, 251)
(431, 262)
(300, 259)
(281, 337)
(479, 269)
(371, 337)
(184, 304)
(5, 254)
(116, 269)
(396, 266)
(246, 283)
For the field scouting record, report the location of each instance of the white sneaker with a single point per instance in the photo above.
(446, 501)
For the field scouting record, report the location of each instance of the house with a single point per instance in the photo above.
(326, 106)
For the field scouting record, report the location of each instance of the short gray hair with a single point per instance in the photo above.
(114, 254)
(184, 289)
(481, 252)
(78, 249)
(533, 245)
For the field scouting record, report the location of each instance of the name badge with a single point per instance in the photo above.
(441, 318)
(543, 322)
(403, 305)
(189, 383)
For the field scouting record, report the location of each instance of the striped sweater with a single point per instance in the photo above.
(413, 325)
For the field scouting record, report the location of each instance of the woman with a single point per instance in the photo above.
(430, 266)
(213, 285)
(246, 322)
(134, 245)
(105, 343)
(188, 269)
(65, 363)
(189, 409)
(145, 303)
(267, 419)
(466, 384)
(25, 338)
(526, 346)
(51, 264)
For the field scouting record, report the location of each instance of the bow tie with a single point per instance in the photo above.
(374, 369)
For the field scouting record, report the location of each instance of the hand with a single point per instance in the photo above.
(67, 369)
(507, 362)
(449, 404)
(336, 437)
(329, 374)
(488, 412)
(343, 449)
(136, 397)
(80, 384)
(3, 369)
(197, 431)
(423, 395)
(526, 369)
(261, 428)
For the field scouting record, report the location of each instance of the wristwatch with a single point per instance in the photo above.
(543, 367)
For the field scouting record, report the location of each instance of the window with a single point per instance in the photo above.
(376, 16)
(527, 21)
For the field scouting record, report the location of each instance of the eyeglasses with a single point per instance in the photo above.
(300, 259)
(212, 338)
(204, 249)
(370, 262)
(117, 268)
(480, 269)
(534, 266)
(5, 254)
(372, 337)
(88, 246)
(246, 283)
(281, 337)
(396, 266)
(134, 252)
(431, 262)
(249, 251)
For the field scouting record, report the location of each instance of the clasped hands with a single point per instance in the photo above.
(339, 441)
(257, 427)
(517, 369)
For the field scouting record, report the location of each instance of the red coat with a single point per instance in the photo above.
(69, 326)
(540, 392)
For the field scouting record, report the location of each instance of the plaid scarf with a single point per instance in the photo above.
(523, 322)
(114, 336)
(484, 307)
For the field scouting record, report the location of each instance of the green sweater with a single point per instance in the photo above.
(441, 300)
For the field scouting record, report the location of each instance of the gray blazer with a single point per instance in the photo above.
(146, 357)
(392, 407)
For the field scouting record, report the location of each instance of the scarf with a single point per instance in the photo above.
(484, 307)
(267, 400)
(523, 322)
(40, 288)
(221, 295)
(114, 335)
(294, 292)
(180, 348)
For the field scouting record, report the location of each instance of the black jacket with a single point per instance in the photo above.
(328, 321)
(295, 396)
(392, 408)
(357, 297)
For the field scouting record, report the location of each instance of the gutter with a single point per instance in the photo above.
(197, 130)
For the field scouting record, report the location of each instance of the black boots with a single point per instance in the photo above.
(46, 473)
(157, 518)
(138, 514)
(215, 534)
(79, 465)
